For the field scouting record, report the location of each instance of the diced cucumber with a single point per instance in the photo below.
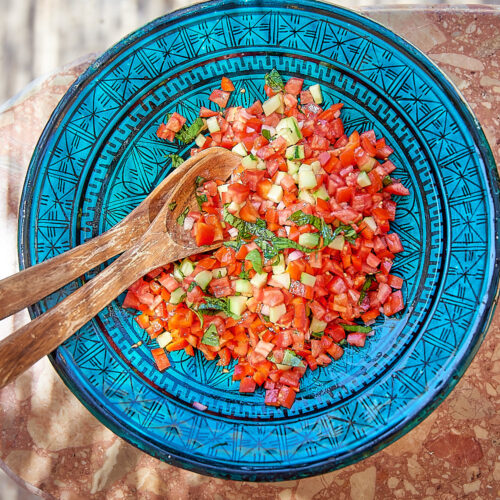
(289, 136)
(200, 140)
(177, 273)
(307, 179)
(233, 207)
(275, 193)
(177, 295)
(282, 279)
(291, 359)
(306, 196)
(316, 93)
(288, 128)
(250, 161)
(276, 312)
(243, 286)
(309, 240)
(295, 152)
(237, 304)
(203, 278)
(308, 279)
(321, 193)
(164, 339)
(317, 325)
(259, 280)
(279, 267)
(213, 124)
(368, 165)
(363, 180)
(211, 336)
(316, 167)
(293, 167)
(279, 177)
(272, 104)
(187, 267)
(240, 149)
(223, 188)
(291, 123)
(370, 222)
(283, 368)
(220, 272)
(337, 243)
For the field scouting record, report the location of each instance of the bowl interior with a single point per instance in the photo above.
(103, 157)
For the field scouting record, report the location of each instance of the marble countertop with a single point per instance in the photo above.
(53, 446)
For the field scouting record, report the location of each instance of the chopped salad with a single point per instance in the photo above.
(305, 265)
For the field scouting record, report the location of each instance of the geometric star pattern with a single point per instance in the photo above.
(99, 157)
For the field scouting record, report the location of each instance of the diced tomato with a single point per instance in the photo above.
(131, 301)
(294, 86)
(207, 113)
(286, 397)
(204, 233)
(247, 384)
(394, 243)
(394, 303)
(164, 133)
(161, 359)
(220, 97)
(273, 297)
(397, 188)
(226, 84)
(175, 122)
(248, 213)
(238, 192)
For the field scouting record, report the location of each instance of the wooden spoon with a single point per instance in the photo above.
(34, 283)
(164, 241)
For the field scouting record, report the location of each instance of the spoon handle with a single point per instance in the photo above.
(28, 344)
(36, 282)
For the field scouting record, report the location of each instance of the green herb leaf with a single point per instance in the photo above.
(177, 160)
(234, 244)
(356, 328)
(200, 198)
(274, 80)
(182, 217)
(211, 336)
(256, 259)
(301, 219)
(366, 286)
(172, 205)
(244, 275)
(199, 181)
(267, 241)
(214, 304)
(266, 134)
(192, 286)
(317, 335)
(387, 180)
(188, 134)
(200, 316)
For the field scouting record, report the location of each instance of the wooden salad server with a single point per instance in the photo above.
(150, 237)
(34, 283)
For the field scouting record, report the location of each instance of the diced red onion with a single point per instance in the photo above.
(199, 406)
(233, 232)
(188, 223)
(324, 158)
(265, 310)
(295, 255)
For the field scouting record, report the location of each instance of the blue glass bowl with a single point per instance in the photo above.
(99, 156)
